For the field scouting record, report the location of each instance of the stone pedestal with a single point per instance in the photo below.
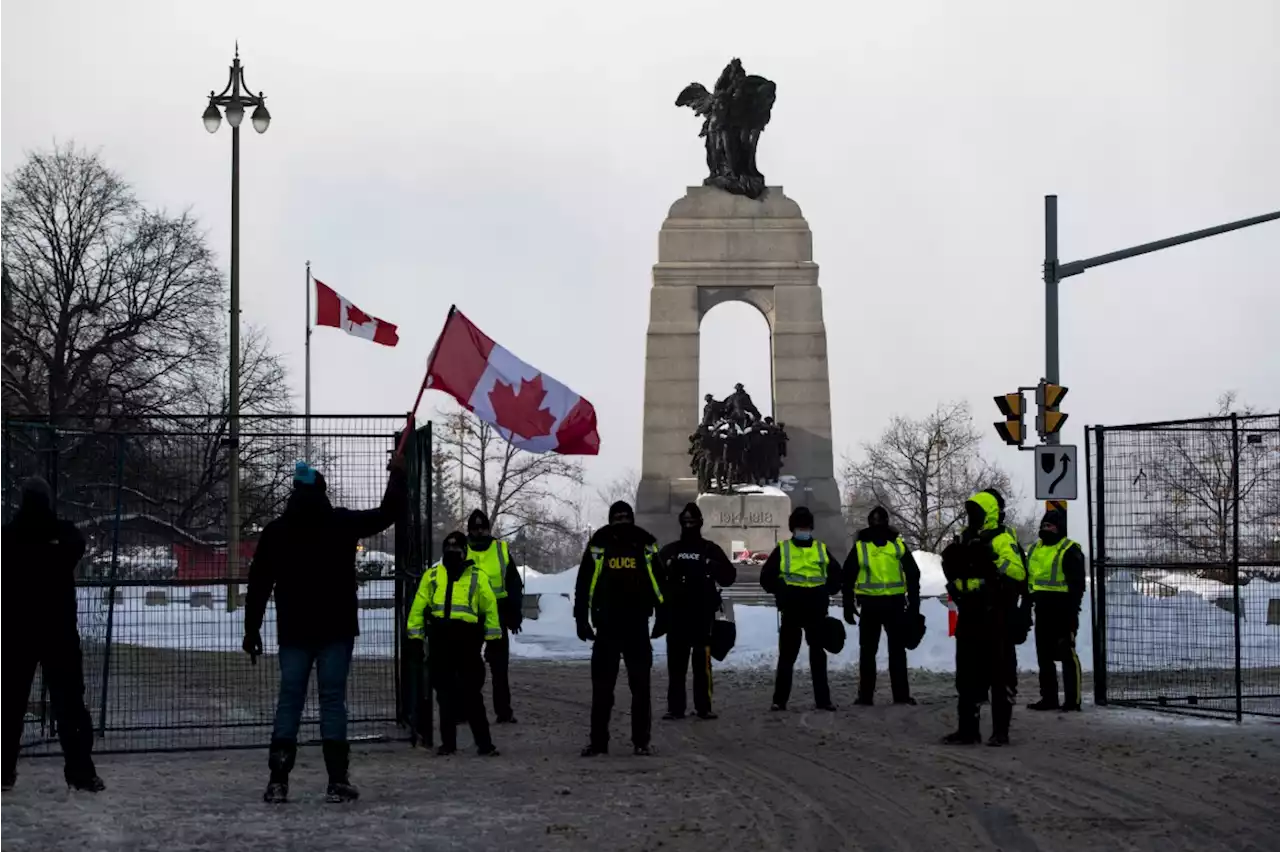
(753, 522)
(716, 247)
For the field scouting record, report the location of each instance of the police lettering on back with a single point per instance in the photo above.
(625, 563)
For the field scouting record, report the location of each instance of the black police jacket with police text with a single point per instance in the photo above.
(624, 589)
(692, 571)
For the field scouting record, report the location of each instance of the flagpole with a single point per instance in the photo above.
(307, 392)
(422, 388)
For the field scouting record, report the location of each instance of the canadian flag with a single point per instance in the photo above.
(336, 312)
(532, 410)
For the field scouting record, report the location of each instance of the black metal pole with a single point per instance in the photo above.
(1088, 509)
(111, 584)
(1235, 556)
(1099, 558)
(1051, 371)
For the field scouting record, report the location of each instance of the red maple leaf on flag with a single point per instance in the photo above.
(355, 316)
(519, 410)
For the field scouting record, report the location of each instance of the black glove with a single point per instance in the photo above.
(585, 633)
(659, 625)
(252, 645)
(850, 613)
(516, 626)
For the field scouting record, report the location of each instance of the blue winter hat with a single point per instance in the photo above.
(304, 474)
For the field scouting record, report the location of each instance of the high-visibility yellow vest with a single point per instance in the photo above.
(880, 568)
(1044, 566)
(493, 560)
(470, 601)
(804, 567)
(597, 556)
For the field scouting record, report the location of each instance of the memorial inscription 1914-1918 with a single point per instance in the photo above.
(734, 115)
(734, 445)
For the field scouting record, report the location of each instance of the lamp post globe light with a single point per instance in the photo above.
(233, 100)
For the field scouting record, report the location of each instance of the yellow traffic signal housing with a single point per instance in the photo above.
(1012, 431)
(1049, 420)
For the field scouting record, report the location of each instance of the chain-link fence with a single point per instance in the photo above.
(161, 621)
(1185, 534)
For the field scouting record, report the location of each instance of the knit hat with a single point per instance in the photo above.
(878, 517)
(620, 509)
(800, 517)
(304, 474)
(478, 520)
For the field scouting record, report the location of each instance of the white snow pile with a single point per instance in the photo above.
(1159, 623)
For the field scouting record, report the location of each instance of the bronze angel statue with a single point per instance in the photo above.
(734, 115)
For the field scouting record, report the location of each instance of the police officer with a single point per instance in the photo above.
(617, 590)
(1055, 575)
(456, 603)
(692, 570)
(986, 577)
(802, 575)
(493, 557)
(885, 583)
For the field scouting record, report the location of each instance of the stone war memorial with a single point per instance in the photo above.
(735, 238)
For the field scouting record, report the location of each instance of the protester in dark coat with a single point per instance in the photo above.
(307, 558)
(40, 555)
(693, 570)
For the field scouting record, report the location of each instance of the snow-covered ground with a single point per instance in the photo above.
(1185, 629)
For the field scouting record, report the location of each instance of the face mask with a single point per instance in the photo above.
(452, 559)
(802, 535)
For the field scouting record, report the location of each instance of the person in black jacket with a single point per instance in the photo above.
(693, 569)
(617, 590)
(41, 552)
(882, 577)
(307, 557)
(802, 575)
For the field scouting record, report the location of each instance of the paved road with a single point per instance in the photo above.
(863, 778)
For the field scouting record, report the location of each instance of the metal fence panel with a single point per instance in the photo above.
(161, 622)
(1185, 534)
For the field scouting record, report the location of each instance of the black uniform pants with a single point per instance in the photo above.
(682, 643)
(986, 666)
(64, 676)
(457, 676)
(882, 612)
(628, 643)
(793, 624)
(1057, 619)
(498, 654)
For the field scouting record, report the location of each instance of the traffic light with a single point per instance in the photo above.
(1012, 431)
(1049, 419)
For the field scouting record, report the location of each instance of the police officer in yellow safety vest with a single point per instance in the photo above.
(802, 575)
(455, 611)
(987, 579)
(493, 556)
(617, 589)
(885, 582)
(1055, 575)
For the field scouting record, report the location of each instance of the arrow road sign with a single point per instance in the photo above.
(1056, 473)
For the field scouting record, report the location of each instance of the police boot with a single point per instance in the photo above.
(280, 762)
(1001, 716)
(969, 731)
(337, 754)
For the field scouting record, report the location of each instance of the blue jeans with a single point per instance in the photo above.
(332, 661)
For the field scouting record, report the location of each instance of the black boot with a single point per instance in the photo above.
(969, 731)
(86, 783)
(1044, 704)
(280, 762)
(1001, 716)
(337, 755)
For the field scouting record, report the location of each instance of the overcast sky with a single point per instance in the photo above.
(518, 159)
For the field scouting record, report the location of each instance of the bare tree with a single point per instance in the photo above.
(622, 487)
(922, 471)
(1188, 475)
(517, 489)
(109, 309)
